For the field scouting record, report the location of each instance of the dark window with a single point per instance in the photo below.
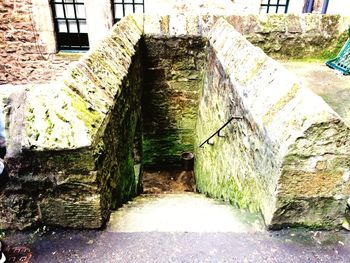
(274, 6)
(70, 24)
(123, 8)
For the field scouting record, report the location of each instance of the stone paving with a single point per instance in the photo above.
(333, 87)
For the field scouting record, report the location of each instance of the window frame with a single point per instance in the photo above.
(125, 3)
(69, 40)
(277, 6)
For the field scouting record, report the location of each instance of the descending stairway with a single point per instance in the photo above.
(185, 212)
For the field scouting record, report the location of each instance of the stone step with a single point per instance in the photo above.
(187, 212)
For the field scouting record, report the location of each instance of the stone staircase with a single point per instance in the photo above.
(184, 212)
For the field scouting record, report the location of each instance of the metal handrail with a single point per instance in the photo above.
(218, 131)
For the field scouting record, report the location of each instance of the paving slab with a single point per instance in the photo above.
(333, 87)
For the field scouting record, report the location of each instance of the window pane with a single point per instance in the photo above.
(69, 11)
(83, 26)
(128, 9)
(281, 10)
(263, 9)
(80, 11)
(62, 26)
(118, 9)
(138, 1)
(73, 28)
(138, 9)
(128, 1)
(59, 11)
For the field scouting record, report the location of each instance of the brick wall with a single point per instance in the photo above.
(23, 58)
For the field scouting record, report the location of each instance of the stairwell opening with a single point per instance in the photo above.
(173, 75)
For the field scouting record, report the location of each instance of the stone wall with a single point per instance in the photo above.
(293, 35)
(74, 148)
(70, 144)
(174, 61)
(288, 156)
(24, 57)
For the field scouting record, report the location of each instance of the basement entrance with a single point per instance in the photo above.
(169, 204)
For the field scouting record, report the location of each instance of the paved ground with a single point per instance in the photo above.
(103, 246)
(333, 87)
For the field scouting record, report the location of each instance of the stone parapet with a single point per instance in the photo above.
(289, 36)
(70, 146)
(287, 157)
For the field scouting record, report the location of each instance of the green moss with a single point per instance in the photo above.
(333, 51)
(91, 118)
(214, 184)
(69, 55)
(165, 149)
(320, 54)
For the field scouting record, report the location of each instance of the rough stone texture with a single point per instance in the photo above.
(288, 156)
(70, 144)
(75, 147)
(23, 56)
(292, 35)
(173, 76)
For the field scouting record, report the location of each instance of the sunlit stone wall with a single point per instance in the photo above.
(289, 155)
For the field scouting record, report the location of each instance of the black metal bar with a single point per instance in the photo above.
(65, 16)
(76, 20)
(218, 131)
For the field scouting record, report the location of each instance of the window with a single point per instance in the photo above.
(274, 6)
(70, 24)
(123, 8)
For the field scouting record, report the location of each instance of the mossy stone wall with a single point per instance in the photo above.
(287, 156)
(71, 144)
(173, 77)
(291, 36)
